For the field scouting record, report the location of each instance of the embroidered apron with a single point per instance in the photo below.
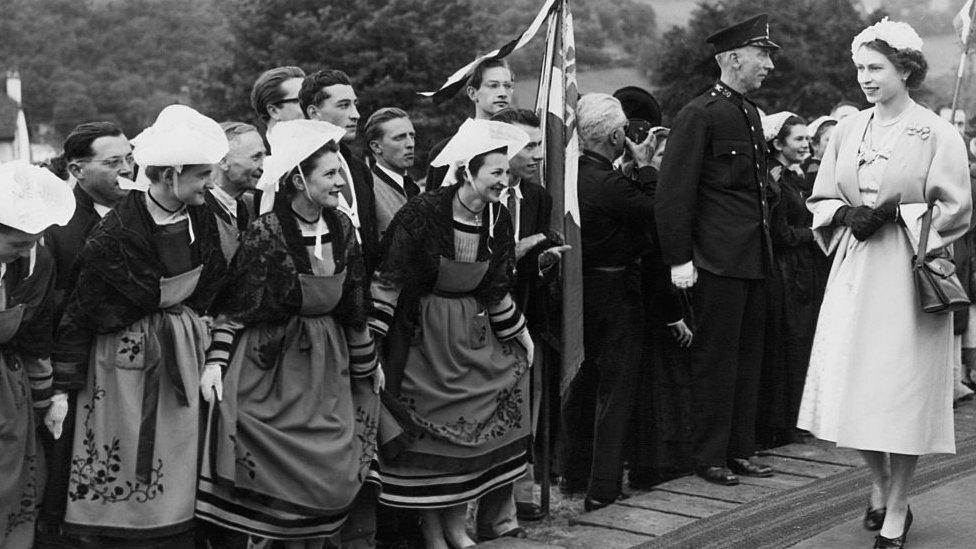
(464, 387)
(22, 480)
(133, 469)
(294, 435)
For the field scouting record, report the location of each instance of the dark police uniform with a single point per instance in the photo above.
(711, 209)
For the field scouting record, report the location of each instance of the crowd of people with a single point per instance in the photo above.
(231, 335)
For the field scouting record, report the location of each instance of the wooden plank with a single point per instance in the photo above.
(803, 468)
(694, 486)
(823, 453)
(633, 519)
(514, 543)
(678, 504)
(777, 482)
(588, 537)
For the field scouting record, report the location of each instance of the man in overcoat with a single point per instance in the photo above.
(713, 222)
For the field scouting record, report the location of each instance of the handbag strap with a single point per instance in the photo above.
(923, 238)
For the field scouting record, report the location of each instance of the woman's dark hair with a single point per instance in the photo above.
(286, 187)
(821, 130)
(784, 131)
(908, 61)
(476, 162)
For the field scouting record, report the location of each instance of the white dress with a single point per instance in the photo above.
(880, 375)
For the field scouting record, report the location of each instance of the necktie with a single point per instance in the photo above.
(410, 187)
(242, 216)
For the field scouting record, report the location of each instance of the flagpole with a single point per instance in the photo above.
(962, 62)
(546, 362)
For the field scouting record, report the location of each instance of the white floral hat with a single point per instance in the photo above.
(897, 34)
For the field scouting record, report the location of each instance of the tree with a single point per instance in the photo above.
(82, 60)
(391, 49)
(813, 68)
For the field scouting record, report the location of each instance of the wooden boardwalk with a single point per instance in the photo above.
(649, 516)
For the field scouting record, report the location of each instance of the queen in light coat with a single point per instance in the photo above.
(880, 376)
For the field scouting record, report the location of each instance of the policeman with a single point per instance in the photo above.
(712, 220)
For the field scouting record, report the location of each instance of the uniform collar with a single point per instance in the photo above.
(725, 91)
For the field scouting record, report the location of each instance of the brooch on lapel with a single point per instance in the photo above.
(921, 131)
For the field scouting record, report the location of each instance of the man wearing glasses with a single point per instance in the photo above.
(97, 155)
(274, 96)
(490, 88)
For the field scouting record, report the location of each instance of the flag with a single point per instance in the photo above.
(963, 23)
(556, 103)
(457, 80)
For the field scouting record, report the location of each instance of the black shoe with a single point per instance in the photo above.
(744, 467)
(874, 518)
(528, 511)
(717, 475)
(881, 542)
(590, 504)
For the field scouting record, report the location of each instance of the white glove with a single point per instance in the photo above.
(211, 383)
(684, 276)
(379, 379)
(526, 340)
(54, 418)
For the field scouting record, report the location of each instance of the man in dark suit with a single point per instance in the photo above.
(390, 139)
(328, 95)
(616, 220)
(231, 199)
(712, 220)
(489, 88)
(97, 155)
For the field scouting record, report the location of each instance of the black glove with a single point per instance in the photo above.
(862, 220)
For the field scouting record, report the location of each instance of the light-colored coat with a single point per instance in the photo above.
(880, 374)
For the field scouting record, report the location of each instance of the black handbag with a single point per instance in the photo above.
(936, 283)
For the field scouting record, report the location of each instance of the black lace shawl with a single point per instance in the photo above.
(263, 285)
(421, 232)
(118, 281)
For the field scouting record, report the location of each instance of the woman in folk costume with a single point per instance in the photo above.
(796, 287)
(880, 377)
(31, 200)
(292, 436)
(459, 378)
(132, 341)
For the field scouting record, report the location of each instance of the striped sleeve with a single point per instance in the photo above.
(40, 374)
(362, 352)
(222, 343)
(384, 297)
(506, 320)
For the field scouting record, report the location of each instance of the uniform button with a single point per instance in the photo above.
(753, 128)
(733, 152)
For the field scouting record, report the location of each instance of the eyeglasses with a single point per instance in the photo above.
(287, 100)
(114, 162)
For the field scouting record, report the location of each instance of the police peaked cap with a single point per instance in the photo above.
(639, 103)
(751, 32)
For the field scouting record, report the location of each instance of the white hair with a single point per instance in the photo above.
(598, 115)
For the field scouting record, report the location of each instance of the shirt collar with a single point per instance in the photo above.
(101, 209)
(398, 178)
(228, 202)
(515, 189)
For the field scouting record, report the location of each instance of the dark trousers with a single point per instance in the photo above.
(726, 359)
(598, 405)
(57, 459)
